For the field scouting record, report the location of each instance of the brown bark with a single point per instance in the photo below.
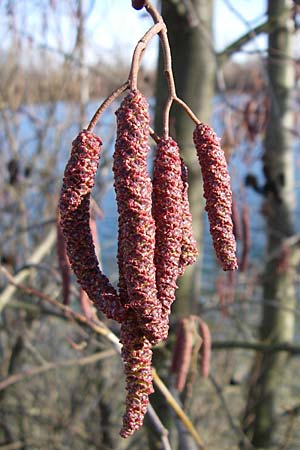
(278, 319)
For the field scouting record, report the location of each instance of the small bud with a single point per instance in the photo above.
(138, 4)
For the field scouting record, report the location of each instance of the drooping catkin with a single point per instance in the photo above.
(74, 206)
(206, 347)
(182, 353)
(189, 250)
(217, 192)
(168, 216)
(133, 188)
(63, 263)
(236, 220)
(244, 262)
(137, 357)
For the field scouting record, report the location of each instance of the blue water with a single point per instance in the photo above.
(33, 137)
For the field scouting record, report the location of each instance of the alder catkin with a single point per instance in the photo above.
(63, 263)
(182, 353)
(244, 262)
(217, 192)
(133, 188)
(137, 357)
(206, 347)
(189, 250)
(168, 215)
(74, 206)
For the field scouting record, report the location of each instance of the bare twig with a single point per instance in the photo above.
(90, 359)
(157, 18)
(139, 49)
(101, 329)
(112, 97)
(177, 409)
(42, 250)
(162, 431)
(246, 443)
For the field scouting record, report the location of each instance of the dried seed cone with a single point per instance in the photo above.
(167, 213)
(136, 225)
(189, 250)
(137, 356)
(217, 193)
(74, 206)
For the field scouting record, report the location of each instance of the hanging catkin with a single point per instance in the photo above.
(137, 357)
(74, 206)
(63, 263)
(136, 225)
(217, 192)
(182, 353)
(167, 213)
(189, 251)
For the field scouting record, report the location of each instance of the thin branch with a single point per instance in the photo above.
(138, 51)
(13, 446)
(101, 329)
(162, 431)
(242, 40)
(177, 409)
(257, 346)
(112, 97)
(42, 250)
(157, 18)
(91, 359)
(235, 428)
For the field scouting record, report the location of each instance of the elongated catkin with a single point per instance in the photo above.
(74, 206)
(217, 192)
(133, 188)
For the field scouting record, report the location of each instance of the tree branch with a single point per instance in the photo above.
(257, 346)
(41, 251)
(90, 359)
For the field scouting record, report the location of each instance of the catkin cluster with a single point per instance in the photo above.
(155, 241)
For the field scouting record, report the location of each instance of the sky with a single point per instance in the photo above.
(113, 27)
(116, 23)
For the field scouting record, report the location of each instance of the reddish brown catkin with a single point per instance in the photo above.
(85, 303)
(137, 356)
(182, 353)
(246, 239)
(206, 347)
(74, 208)
(63, 263)
(236, 220)
(189, 250)
(167, 213)
(217, 192)
(136, 225)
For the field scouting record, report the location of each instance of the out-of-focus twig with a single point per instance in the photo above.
(41, 251)
(90, 359)
(100, 328)
(177, 409)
